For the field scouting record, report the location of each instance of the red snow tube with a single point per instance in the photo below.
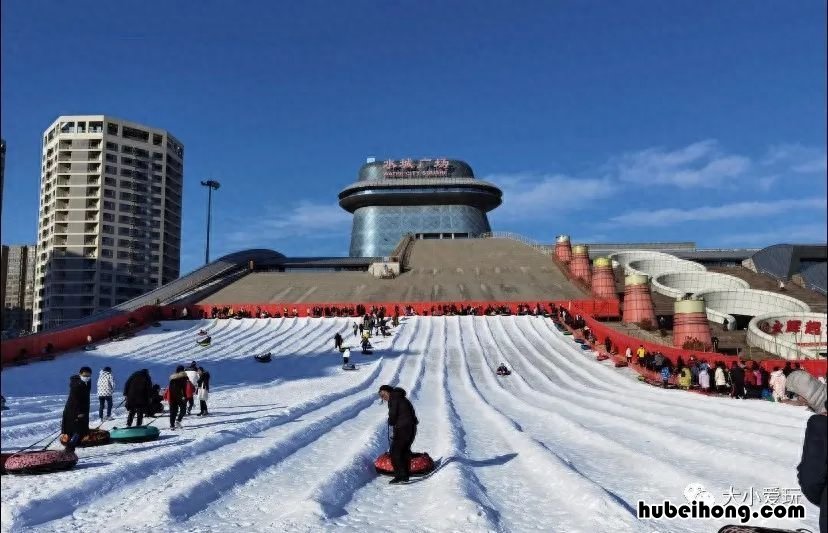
(420, 464)
(40, 462)
(603, 357)
(95, 437)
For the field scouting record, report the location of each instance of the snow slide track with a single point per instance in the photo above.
(216, 481)
(561, 487)
(42, 510)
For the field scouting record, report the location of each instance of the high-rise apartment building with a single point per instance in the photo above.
(18, 293)
(110, 215)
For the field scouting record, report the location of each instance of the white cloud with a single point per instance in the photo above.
(701, 164)
(305, 220)
(797, 158)
(671, 216)
(533, 196)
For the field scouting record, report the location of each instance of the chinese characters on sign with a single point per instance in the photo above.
(424, 168)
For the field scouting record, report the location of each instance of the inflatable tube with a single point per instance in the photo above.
(89, 348)
(602, 357)
(419, 465)
(265, 358)
(156, 324)
(619, 364)
(204, 342)
(47, 357)
(579, 341)
(39, 462)
(95, 437)
(585, 347)
(368, 352)
(508, 372)
(349, 366)
(201, 333)
(135, 434)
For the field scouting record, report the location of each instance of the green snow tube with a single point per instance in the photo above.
(134, 434)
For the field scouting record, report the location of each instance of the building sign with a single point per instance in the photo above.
(424, 168)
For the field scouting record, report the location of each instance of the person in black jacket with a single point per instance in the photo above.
(138, 394)
(177, 396)
(403, 419)
(338, 341)
(737, 379)
(203, 390)
(812, 472)
(75, 421)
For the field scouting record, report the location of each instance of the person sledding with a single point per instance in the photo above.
(366, 347)
(403, 419)
(346, 358)
(502, 370)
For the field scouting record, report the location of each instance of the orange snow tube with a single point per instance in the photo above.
(419, 465)
(95, 437)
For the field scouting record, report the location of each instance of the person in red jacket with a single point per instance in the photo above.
(177, 396)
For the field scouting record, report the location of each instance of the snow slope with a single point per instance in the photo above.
(563, 444)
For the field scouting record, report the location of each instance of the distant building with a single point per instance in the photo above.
(110, 215)
(18, 263)
(429, 198)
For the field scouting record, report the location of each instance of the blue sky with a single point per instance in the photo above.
(609, 121)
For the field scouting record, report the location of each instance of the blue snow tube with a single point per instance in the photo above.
(134, 434)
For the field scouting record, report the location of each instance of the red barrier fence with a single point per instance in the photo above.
(70, 338)
(620, 342)
(74, 338)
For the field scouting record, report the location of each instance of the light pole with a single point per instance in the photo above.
(210, 184)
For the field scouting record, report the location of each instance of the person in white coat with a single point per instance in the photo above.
(106, 384)
(719, 379)
(704, 378)
(192, 375)
(346, 356)
(777, 384)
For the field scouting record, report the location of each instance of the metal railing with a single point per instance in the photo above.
(545, 249)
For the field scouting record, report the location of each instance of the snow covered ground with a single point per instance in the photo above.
(563, 444)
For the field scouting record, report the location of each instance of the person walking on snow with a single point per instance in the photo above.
(75, 422)
(138, 395)
(192, 375)
(203, 390)
(176, 396)
(338, 341)
(356, 330)
(346, 356)
(403, 419)
(106, 384)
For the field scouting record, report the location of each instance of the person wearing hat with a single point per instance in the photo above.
(403, 419)
(106, 384)
(75, 420)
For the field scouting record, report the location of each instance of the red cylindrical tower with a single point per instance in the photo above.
(580, 267)
(603, 279)
(563, 249)
(638, 304)
(690, 324)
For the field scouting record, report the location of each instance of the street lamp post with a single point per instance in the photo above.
(211, 185)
